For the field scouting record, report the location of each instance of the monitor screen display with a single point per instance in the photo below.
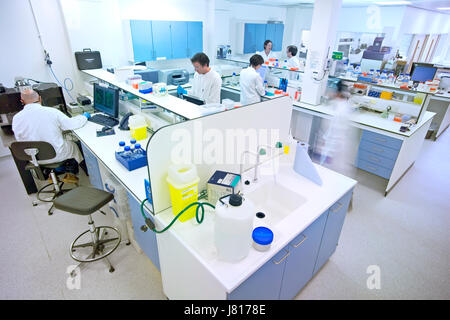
(106, 100)
(423, 73)
(262, 72)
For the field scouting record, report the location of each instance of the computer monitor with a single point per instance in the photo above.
(423, 72)
(193, 99)
(106, 100)
(262, 72)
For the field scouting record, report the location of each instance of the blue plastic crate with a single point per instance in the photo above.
(133, 162)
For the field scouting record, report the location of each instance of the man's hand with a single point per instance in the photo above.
(87, 115)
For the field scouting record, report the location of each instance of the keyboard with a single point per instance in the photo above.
(104, 120)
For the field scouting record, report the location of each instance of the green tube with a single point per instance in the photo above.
(199, 219)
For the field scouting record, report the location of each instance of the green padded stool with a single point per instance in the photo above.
(85, 201)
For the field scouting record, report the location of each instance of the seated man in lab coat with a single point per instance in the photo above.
(292, 61)
(207, 82)
(251, 82)
(38, 123)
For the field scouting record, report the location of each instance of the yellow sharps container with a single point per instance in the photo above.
(183, 185)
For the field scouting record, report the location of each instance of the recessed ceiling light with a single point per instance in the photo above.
(392, 3)
(445, 8)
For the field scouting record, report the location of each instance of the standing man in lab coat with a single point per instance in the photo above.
(251, 82)
(267, 53)
(207, 82)
(38, 123)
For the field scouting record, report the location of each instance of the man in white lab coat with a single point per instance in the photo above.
(207, 82)
(267, 53)
(251, 82)
(292, 61)
(38, 123)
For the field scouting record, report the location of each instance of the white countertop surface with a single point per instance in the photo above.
(179, 106)
(199, 238)
(365, 118)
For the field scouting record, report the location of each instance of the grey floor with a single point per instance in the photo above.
(404, 235)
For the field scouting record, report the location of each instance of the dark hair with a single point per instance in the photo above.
(200, 58)
(293, 50)
(256, 60)
(266, 43)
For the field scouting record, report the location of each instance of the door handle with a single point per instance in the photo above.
(282, 259)
(298, 244)
(337, 209)
(377, 150)
(374, 159)
(380, 139)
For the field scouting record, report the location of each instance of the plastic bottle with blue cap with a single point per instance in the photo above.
(121, 148)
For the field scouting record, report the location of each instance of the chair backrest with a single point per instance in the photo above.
(23, 150)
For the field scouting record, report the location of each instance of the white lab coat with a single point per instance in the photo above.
(293, 62)
(251, 86)
(38, 123)
(207, 86)
(266, 57)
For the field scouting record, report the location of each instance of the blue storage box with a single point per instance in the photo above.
(133, 162)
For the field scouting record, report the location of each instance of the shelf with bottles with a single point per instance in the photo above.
(273, 64)
(156, 115)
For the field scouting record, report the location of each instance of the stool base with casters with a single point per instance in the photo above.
(99, 247)
(96, 243)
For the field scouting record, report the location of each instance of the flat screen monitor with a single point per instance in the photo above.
(262, 72)
(106, 100)
(193, 99)
(423, 72)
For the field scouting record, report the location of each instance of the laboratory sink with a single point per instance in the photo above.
(275, 201)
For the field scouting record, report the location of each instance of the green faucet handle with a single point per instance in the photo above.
(262, 151)
(278, 145)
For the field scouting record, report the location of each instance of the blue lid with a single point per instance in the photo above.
(262, 235)
(121, 143)
(127, 148)
(133, 141)
(138, 145)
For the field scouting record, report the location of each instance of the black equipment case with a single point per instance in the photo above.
(88, 59)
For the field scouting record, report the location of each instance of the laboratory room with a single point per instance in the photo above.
(225, 150)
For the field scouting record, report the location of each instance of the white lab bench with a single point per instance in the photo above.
(383, 149)
(185, 254)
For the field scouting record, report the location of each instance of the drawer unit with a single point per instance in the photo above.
(376, 159)
(373, 168)
(382, 139)
(378, 149)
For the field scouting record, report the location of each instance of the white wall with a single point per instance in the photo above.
(22, 53)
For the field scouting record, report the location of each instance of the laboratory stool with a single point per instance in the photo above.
(85, 201)
(32, 151)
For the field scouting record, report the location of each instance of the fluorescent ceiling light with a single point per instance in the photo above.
(392, 3)
(445, 8)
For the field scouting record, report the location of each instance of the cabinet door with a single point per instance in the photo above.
(300, 265)
(265, 283)
(278, 40)
(250, 38)
(179, 38)
(270, 33)
(141, 35)
(260, 36)
(146, 240)
(162, 43)
(92, 165)
(333, 227)
(195, 37)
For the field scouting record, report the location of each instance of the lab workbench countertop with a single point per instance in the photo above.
(368, 119)
(198, 239)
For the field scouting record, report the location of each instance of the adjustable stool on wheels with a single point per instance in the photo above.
(85, 201)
